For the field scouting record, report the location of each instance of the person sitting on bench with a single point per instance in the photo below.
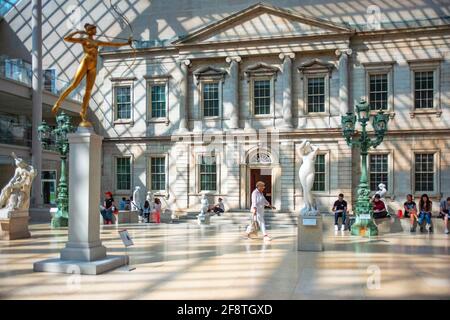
(411, 211)
(425, 207)
(339, 210)
(219, 207)
(445, 212)
(379, 208)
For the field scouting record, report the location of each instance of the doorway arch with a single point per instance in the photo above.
(260, 164)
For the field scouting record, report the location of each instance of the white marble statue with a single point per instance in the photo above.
(381, 191)
(151, 200)
(16, 194)
(204, 217)
(308, 154)
(136, 204)
(204, 205)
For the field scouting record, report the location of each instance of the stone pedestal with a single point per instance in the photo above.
(203, 219)
(84, 251)
(310, 234)
(14, 225)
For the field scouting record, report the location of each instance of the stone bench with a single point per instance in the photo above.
(124, 217)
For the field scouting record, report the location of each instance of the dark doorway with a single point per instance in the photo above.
(264, 175)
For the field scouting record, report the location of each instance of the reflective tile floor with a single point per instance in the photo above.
(186, 261)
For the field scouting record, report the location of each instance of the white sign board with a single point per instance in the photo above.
(365, 216)
(309, 222)
(126, 239)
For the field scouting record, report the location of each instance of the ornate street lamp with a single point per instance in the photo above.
(364, 224)
(58, 135)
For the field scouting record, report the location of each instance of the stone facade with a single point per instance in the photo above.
(286, 48)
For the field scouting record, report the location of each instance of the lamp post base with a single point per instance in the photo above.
(59, 222)
(364, 227)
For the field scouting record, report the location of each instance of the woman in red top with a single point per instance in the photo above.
(379, 208)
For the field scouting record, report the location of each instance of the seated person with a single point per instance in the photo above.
(411, 211)
(409, 206)
(146, 211)
(425, 207)
(379, 208)
(108, 208)
(157, 211)
(445, 212)
(219, 207)
(339, 210)
(122, 204)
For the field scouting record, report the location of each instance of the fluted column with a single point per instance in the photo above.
(287, 88)
(233, 97)
(184, 96)
(344, 106)
(37, 84)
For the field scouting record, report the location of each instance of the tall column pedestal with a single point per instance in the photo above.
(84, 252)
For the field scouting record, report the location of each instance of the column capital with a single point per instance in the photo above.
(284, 55)
(186, 62)
(340, 52)
(233, 58)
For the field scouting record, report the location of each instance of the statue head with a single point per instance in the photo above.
(381, 186)
(19, 161)
(90, 29)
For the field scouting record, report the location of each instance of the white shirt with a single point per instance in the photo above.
(259, 201)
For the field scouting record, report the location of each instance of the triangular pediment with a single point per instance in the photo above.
(262, 21)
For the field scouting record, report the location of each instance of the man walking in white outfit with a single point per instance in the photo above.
(257, 208)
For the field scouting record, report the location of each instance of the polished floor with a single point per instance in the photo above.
(186, 261)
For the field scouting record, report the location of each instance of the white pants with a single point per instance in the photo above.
(262, 224)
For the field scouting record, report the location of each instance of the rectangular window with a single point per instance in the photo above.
(123, 102)
(423, 89)
(319, 177)
(158, 173)
(50, 80)
(123, 173)
(210, 99)
(208, 173)
(378, 91)
(261, 96)
(424, 172)
(316, 94)
(158, 100)
(378, 168)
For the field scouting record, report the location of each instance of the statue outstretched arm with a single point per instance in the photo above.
(70, 38)
(114, 44)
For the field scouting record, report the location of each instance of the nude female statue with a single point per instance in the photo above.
(306, 173)
(16, 194)
(87, 67)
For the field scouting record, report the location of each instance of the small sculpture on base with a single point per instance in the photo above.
(15, 202)
(204, 217)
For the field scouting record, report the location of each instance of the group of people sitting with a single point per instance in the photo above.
(149, 212)
(417, 215)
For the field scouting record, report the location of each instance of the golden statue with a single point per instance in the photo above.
(87, 67)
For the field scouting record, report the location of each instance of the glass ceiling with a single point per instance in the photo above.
(6, 5)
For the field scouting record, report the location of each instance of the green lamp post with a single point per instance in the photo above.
(364, 224)
(56, 139)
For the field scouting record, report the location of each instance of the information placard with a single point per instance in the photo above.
(310, 222)
(126, 239)
(365, 216)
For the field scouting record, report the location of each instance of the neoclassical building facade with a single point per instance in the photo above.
(227, 105)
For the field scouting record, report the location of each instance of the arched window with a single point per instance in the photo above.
(260, 158)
